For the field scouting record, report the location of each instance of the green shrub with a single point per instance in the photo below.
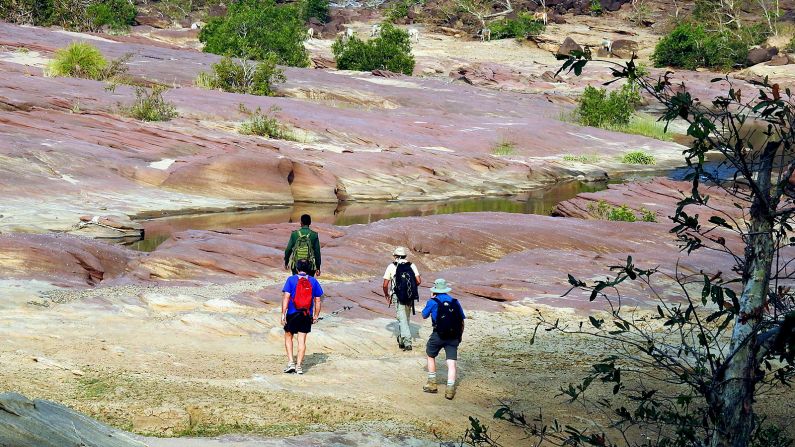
(389, 51)
(266, 125)
(597, 108)
(504, 147)
(648, 215)
(596, 7)
(150, 105)
(522, 27)
(691, 46)
(245, 77)
(790, 48)
(253, 29)
(117, 15)
(400, 10)
(621, 214)
(317, 9)
(78, 60)
(581, 158)
(638, 158)
(27, 12)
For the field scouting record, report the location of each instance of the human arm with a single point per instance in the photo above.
(428, 309)
(316, 307)
(285, 304)
(289, 250)
(316, 251)
(386, 292)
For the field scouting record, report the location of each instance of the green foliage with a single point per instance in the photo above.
(790, 48)
(150, 105)
(522, 27)
(400, 9)
(254, 29)
(581, 158)
(317, 9)
(646, 125)
(647, 215)
(266, 125)
(117, 15)
(27, 12)
(621, 214)
(389, 51)
(78, 60)
(504, 147)
(243, 77)
(596, 7)
(691, 46)
(638, 158)
(597, 108)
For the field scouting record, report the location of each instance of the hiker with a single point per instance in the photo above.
(400, 285)
(300, 309)
(304, 244)
(448, 317)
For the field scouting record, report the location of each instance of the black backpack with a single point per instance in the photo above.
(405, 284)
(449, 322)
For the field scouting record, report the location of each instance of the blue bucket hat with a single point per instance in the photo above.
(440, 286)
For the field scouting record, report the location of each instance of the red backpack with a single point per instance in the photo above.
(303, 295)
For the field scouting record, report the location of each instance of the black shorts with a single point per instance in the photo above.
(298, 322)
(436, 343)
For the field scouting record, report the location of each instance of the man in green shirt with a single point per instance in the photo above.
(304, 244)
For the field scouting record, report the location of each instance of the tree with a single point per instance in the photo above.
(391, 50)
(482, 9)
(255, 28)
(688, 374)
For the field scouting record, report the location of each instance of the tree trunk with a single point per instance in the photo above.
(734, 394)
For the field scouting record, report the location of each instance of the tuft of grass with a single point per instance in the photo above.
(638, 158)
(645, 125)
(622, 213)
(648, 215)
(93, 388)
(78, 60)
(150, 105)
(503, 148)
(266, 125)
(581, 158)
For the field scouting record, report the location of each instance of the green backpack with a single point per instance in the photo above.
(303, 250)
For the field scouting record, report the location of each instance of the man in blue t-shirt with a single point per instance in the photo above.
(436, 342)
(298, 321)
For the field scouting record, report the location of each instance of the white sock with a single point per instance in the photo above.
(432, 377)
(450, 383)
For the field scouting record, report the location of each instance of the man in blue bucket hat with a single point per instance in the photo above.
(448, 317)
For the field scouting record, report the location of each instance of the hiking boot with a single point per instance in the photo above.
(449, 394)
(289, 369)
(299, 370)
(430, 387)
(407, 348)
(400, 343)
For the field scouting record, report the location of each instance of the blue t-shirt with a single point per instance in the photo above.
(290, 286)
(431, 307)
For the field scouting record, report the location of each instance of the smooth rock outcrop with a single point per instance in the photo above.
(41, 423)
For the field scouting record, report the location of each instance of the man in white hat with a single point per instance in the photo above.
(400, 285)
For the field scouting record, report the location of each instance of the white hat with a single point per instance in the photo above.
(400, 251)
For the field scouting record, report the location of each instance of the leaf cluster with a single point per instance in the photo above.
(391, 50)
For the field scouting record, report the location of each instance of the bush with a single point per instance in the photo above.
(244, 77)
(597, 108)
(638, 158)
(389, 51)
(78, 60)
(117, 15)
(317, 9)
(648, 215)
(265, 125)
(150, 105)
(27, 12)
(691, 46)
(504, 147)
(521, 27)
(621, 214)
(269, 29)
(596, 7)
(399, 10)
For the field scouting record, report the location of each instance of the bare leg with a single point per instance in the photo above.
(451, 371)
(288, 346)
(301, 348)
(431, 365)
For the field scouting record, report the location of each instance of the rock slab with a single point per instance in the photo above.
(40, 423)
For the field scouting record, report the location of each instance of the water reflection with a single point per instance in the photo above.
(534, 202)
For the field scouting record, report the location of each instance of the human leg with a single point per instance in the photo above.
(288, 347)
(301, 348)
(403, 314)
